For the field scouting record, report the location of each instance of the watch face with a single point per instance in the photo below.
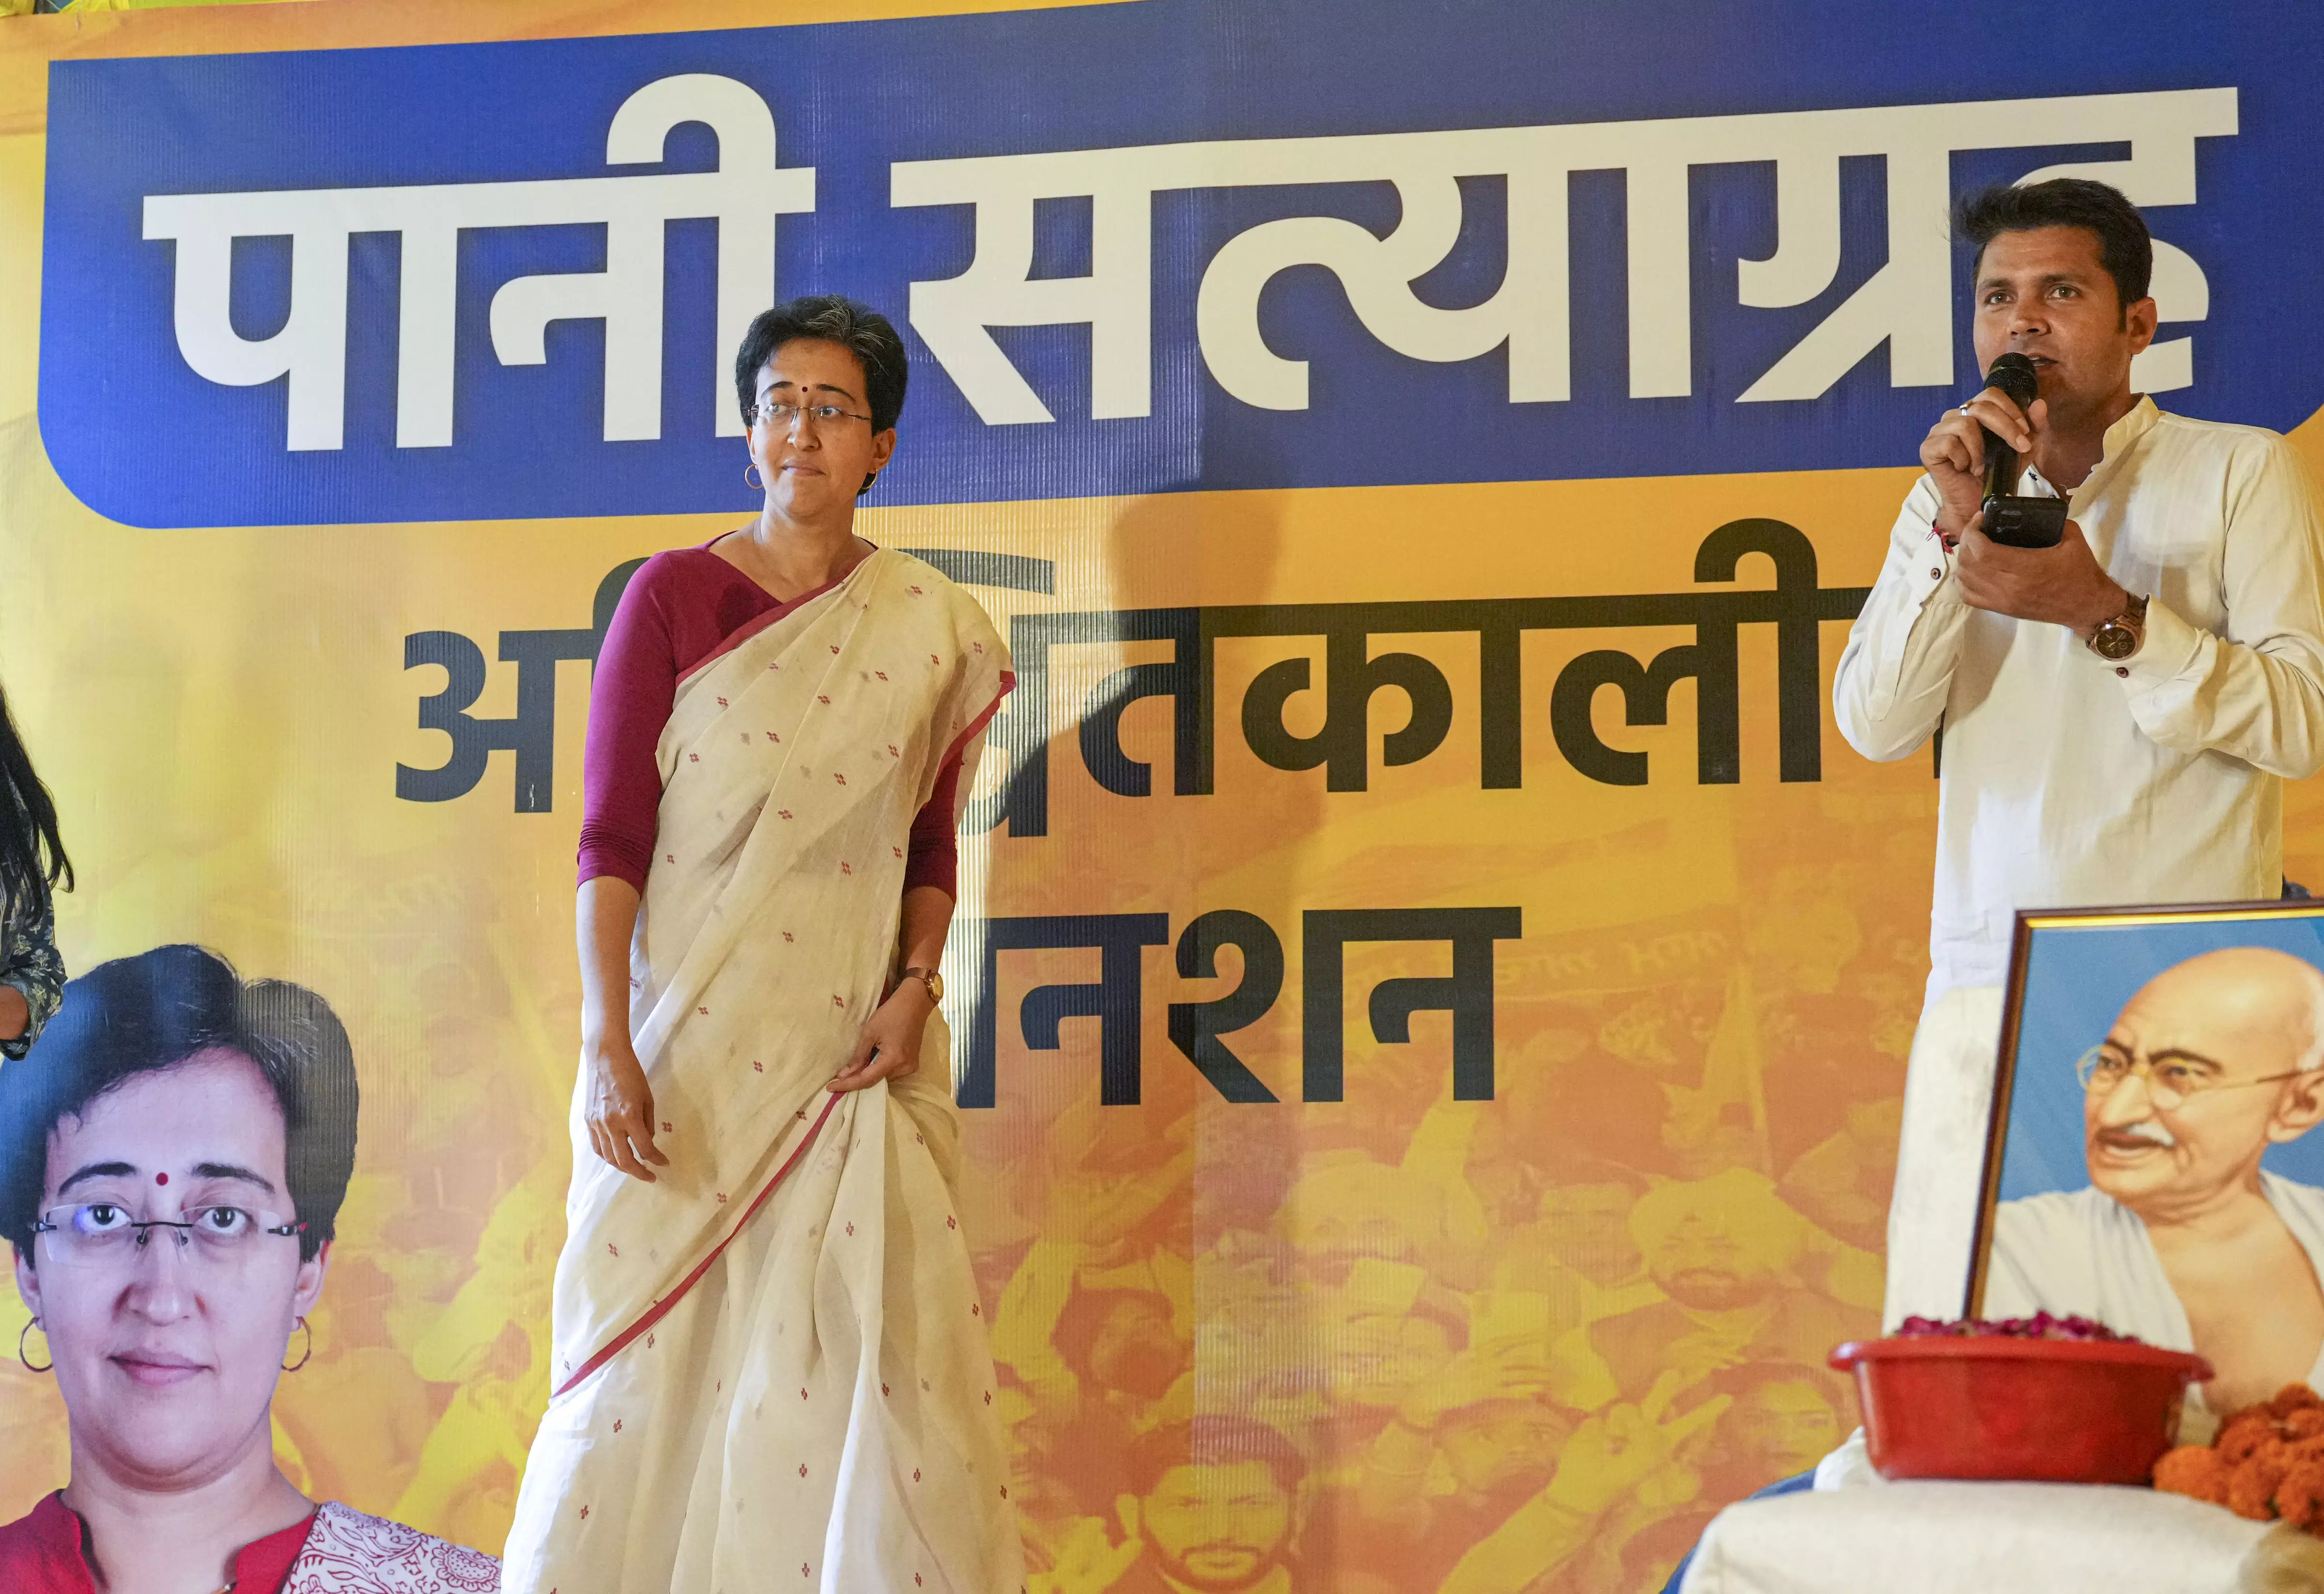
(2115, 641)
(935, 987)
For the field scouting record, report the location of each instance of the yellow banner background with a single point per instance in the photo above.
(1718, 983)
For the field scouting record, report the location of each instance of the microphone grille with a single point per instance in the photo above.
(2014, 374)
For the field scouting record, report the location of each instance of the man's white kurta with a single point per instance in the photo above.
(2071, 782)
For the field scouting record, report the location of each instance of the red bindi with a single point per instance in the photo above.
(160, 1178)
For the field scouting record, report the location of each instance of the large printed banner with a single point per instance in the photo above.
(1427, 976)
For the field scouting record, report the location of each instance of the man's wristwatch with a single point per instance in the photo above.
(930, 978)
(2120, 638)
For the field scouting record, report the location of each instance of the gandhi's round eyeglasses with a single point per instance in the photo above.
(2170, 1082)
(98, 1232)
(781, 416)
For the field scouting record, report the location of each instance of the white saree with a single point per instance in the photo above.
(771, 1369)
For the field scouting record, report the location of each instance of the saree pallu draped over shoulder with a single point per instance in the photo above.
(771, 1369)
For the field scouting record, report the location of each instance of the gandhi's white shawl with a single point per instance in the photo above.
(2078, 1252)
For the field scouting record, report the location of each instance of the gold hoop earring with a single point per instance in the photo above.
(292, 1367)
(21, 1335)
(751, 470)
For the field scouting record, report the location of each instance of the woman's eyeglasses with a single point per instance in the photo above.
(103, 1231)
(781, 416)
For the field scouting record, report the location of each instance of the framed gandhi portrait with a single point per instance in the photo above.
(2155, 1159)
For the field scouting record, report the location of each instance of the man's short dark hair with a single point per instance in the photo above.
(2126, 248)
(833, 317)
(151, 1012)
(1211, 1441)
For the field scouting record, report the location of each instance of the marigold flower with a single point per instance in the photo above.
(2194, 1470)
(2300, 1497)
(2251, 1490)
(2295, 1397)
(2244, 1433)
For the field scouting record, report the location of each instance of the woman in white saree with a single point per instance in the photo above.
(770, 1368)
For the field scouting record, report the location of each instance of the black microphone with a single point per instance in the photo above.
(2009, 520)
(2013, 374)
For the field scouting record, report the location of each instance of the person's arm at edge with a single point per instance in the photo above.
(32, 979)
(1888, 693)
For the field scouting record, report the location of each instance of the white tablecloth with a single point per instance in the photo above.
(1991, 1538)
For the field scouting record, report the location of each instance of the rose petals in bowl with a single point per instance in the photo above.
(2042, 1326)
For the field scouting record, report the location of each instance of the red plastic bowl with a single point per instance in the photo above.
(2044, 1410)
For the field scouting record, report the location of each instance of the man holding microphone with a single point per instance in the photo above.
(2119, 711)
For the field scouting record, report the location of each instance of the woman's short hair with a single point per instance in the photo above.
(151, 1012)
(833, 317)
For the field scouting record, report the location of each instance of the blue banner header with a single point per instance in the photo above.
(1184, 243)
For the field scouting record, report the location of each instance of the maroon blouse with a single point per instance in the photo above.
(679, 608)
(42, 1553)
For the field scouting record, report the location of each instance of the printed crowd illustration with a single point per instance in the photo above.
(1530, 1345)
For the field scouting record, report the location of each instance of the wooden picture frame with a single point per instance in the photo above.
(2079, 991)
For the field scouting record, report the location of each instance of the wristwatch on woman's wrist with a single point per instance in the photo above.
(930, 978)
(2120, 638)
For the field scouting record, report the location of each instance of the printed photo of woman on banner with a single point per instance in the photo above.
(172, 1158)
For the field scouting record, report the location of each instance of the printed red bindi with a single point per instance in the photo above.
(160, 1178)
